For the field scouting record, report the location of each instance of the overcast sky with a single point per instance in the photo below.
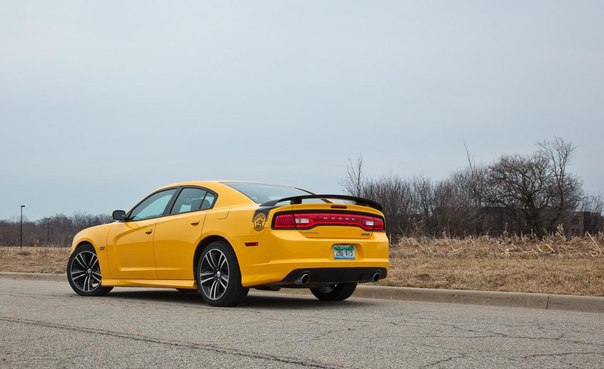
(103, 101)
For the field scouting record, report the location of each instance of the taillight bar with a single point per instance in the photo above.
(307, 220)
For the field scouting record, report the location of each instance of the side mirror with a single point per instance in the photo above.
(119, 215)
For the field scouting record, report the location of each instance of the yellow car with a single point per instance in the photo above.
(223, 237)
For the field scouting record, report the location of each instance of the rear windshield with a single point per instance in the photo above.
(260, 192)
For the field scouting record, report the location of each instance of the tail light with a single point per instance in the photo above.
(310, 220)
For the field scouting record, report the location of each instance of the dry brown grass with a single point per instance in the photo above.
(34, 259)
(555, 265)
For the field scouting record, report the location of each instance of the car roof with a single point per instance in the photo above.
(212, 183)
(228, 195)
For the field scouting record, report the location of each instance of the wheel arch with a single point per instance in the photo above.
(79, 243)
(98, 250)
(84, 242)
(203, 244)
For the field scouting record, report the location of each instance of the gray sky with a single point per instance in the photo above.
(103, 101)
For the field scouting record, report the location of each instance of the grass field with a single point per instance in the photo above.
(34, 259)
(554, 265)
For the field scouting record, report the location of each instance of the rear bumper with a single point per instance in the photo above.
(322, 276)
(281, 257)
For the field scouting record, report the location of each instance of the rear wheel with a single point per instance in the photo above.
(219, 277)
(336, 292)
(84, 273)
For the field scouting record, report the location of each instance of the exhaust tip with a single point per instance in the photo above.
(377, 276)
(304, 278)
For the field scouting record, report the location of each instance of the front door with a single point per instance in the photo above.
(130, 243)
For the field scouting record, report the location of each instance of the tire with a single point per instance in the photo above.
(218, 276)
(84, 273)
(337, 292)
(186, 290)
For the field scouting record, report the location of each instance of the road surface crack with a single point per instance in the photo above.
(175, 343)
(450, 358)
(560, 354)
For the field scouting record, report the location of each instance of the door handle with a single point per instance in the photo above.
(195, 222)
(149, 231)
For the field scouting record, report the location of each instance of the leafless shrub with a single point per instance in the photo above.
(516, 194)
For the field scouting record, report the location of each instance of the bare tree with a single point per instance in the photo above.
(536, 190)
(423, 196)
(456, 209)
(473, 180)
(354, 181)
(564, 189)
(395, 195)
(592, 204)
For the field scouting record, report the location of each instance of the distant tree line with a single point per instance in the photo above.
(516, 194)
(531, 194)
(57, 230)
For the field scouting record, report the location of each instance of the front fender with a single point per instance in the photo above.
(97, 238)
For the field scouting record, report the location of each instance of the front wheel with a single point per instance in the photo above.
(84, 273)
(336, 292)
(219, 277)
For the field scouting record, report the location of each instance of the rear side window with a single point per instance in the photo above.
(193, 199)
(208, 202)
(260, 192)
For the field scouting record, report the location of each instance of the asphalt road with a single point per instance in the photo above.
(45, 324)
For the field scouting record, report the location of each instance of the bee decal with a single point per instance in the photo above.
(259, 221)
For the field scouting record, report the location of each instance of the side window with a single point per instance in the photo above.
(192, 199)
(153, 206)
(208, 202)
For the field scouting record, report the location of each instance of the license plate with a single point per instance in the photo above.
(343, 252)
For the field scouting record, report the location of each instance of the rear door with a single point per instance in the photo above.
(177, 235)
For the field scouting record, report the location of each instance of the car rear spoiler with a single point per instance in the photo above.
(298, 200)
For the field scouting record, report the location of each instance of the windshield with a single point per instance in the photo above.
(260, 192)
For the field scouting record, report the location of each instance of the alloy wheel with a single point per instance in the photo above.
(85, 272)
(214, 274)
